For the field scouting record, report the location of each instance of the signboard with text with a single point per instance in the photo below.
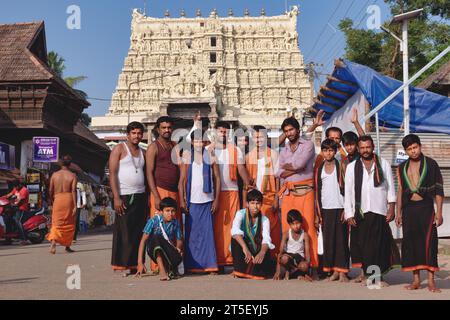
(401, 156)
(45, 149)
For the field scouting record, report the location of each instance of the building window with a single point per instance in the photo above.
(212, 71)
(212, 57)
(213, 41)
(202, 24)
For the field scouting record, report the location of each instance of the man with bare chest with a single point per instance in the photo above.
(63, 191)
(420, 185)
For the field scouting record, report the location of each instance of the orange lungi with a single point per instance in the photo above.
(274, 219)
(223, 222)
(304, 204)
(63, 219)
(163, 193)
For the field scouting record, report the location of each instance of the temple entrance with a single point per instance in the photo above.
(184, 112)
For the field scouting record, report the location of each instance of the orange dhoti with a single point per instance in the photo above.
(274, 219)
(163, 193)
(223, 222)
(63, 219)
(304, 204)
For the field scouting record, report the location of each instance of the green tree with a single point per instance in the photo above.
(56, 63)
(428, 35)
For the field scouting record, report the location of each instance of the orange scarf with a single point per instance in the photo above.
(268, 183)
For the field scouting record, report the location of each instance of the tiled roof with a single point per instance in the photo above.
(19, 60)
(17, 63)
(437, 76)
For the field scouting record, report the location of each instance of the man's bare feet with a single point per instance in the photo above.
(343, 277)
(164, 277)
(53, 250)
(359, 279)
(69, 250)
(333, 277)
(305, 278)
(384, 284)
(286, 275)
(432, 287)
(413, 286)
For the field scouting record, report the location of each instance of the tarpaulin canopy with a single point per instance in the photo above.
(430, 112)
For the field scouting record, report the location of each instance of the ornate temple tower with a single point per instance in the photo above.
(248, 70)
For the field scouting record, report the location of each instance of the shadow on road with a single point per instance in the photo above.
(101, 249)
(13, 254)
(16, 281)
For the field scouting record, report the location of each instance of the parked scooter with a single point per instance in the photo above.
(35, 223)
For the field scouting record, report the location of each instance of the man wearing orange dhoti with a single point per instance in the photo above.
(231, 162)
(295, 171)
(261, 163)
(63, 191)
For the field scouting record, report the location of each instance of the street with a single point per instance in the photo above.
(30, 272)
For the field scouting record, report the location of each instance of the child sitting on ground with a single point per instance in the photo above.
(163, 239)
(293, 259)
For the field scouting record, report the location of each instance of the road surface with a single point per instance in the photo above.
(30, 272)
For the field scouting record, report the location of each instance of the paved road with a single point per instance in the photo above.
(30, 272)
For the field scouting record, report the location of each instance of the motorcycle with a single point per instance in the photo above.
(35, 223)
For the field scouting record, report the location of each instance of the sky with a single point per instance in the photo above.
(97, 50)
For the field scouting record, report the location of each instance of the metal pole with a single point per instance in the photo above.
(405, 76)
(377, 125)
(411, 80)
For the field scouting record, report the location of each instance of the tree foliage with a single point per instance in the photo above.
(428, 35)
(57, 64)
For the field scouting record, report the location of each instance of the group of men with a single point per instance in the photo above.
(347, 191)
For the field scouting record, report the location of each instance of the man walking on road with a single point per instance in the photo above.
(63, 192)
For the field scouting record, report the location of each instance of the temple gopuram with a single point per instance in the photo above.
(244, 70)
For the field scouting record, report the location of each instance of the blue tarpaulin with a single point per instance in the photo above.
(430, 112)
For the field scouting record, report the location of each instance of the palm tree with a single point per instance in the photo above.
(56, 63)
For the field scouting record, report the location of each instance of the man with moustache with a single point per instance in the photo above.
(163, 170)
(370, 204)
(420, 185)
(295, 171)
(127, 179)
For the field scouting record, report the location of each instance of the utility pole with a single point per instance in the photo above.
(403, 19)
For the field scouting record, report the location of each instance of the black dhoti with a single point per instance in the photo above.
(420, 240)
(170, 255)
(336, 253)
(378, 247)
(250, 270)
(127, 232)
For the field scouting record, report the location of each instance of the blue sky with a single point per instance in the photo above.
(98, 49)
